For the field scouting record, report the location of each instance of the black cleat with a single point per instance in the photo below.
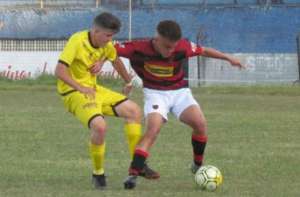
(194, 168)
(130, 182)
(148, 173)
(99, 181)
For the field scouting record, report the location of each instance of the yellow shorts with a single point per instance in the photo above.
(85, 109)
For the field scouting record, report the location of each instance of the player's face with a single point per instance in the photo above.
(164, 46)
(102, 36)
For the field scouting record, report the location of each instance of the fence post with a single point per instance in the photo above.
(201, 66)
(41, 4)
(298, 52)
(98, 2)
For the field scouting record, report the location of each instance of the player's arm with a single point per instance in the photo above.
(96, 67)
(213, 53)
(65, 60)
(117, 63)
(62, 72)
(193, 49)
(120, 68)
(115, 51)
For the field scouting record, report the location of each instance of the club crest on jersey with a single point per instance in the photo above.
(90, 105)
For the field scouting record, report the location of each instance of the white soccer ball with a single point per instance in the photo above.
(208, 178)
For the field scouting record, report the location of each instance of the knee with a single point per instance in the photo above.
(98, 126)
(98, 133)
(201, 127)
(134, 113)
(100, 129)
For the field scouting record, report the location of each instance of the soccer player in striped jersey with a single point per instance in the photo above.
(160, 63)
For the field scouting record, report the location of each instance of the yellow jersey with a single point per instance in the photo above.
(79, 55)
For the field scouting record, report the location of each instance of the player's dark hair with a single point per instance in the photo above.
(169, 29)
(108, 21)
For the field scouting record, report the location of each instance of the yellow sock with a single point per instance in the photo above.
(97, 156)
(133, 132)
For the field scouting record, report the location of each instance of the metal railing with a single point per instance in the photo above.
(49, 3)
(139, 3)
(31, 45)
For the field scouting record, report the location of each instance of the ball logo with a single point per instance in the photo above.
(155, 106)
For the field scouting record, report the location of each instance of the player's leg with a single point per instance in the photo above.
(154, 122)
(189, 112)
(131, 112)
(89, 112)
(118, 105)
(194, 117)
(155, 110)
(97, 150)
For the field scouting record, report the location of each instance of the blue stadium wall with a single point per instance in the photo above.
(244, 30)
(235, 30)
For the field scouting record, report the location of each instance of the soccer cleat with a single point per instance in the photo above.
(194, 168)
(148, 173)
(130, 182)
(99, 181)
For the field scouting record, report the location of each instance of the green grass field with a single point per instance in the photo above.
(254, 139)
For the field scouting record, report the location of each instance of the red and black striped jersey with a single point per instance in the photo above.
(156, 71)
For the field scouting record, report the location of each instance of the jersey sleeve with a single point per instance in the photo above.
(111, 54)
(69, 52)
(193, 49)
(125, 49)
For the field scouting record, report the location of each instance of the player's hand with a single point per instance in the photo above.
(127, 88)
(96, 67)
(88, 92)
(236, 62)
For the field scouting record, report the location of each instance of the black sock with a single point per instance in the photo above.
(138, 162)
(199, 143)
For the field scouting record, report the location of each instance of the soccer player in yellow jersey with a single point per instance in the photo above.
(87, 100)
